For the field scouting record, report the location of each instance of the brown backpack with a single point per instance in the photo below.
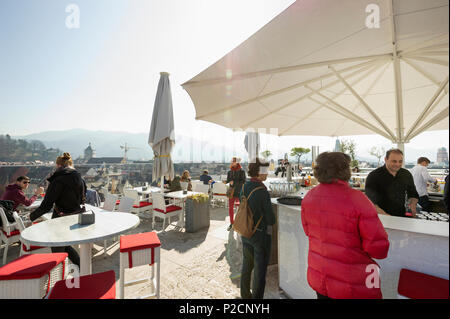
(243, 223)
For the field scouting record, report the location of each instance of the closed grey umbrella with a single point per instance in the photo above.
(162, 135)
(251, 143)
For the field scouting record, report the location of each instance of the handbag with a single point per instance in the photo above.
(230, 192)
(7, 206)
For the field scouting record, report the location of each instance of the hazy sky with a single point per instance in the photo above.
(104, 75)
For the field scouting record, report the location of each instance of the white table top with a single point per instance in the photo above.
(34, 205)
(66, 231)
(149, 190)
(180, 195)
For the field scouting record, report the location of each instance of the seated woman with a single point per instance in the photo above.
(65, 194)
(186, 177)
(345, 234)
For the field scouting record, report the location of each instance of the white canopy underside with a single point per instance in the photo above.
(317, 69)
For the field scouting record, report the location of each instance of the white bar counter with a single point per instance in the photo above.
(419, 245)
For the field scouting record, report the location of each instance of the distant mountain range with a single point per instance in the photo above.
(107, 144)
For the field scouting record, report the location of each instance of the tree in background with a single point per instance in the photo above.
(12, 150)
(299, 152)
(266, 154)
(378, 152)
(349, 147)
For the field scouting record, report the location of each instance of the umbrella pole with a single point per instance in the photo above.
(162, 184)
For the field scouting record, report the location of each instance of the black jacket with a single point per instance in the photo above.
(67, 191)
(238, 178)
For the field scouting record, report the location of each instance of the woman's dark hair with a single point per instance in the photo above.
(332, 166)
(253, 168)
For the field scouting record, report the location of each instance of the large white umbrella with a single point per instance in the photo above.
(326, 68)
(162, 135)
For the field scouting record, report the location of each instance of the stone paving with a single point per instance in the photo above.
(204, 264)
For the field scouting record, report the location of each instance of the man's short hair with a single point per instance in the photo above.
(393, 150)
(423, 159)
(205, 171)
(253, 168)
(22, 178)
(332, 166)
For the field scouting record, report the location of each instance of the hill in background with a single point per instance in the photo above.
(107, 144)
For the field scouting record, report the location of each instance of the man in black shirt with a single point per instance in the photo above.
(387, 186)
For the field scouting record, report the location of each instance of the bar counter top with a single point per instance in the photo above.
(414, 225)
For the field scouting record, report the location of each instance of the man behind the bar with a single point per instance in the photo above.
(421, 180)
(387, 186)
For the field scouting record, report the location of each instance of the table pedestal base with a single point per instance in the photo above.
(85, 259)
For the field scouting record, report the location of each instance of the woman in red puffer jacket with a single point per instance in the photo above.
(345, 234)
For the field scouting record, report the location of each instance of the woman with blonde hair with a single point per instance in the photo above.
(186, 177)
(66, 194)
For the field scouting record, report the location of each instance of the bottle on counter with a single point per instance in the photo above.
(408, 211)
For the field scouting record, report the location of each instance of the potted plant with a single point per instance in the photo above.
(197, 212)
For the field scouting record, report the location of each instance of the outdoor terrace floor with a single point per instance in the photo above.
(201, 265)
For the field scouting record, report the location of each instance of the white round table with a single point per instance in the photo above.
(65, 231)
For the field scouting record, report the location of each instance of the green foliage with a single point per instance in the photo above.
(266, 154)
(349, 147)
(12, 150)
(299, 152)
(378, 152)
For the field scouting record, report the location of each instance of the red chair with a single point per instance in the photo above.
(95, 286)
(416, 285)
(32, 276)
(161, 210)
(137, 250)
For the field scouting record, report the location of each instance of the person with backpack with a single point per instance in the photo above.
(256, 249)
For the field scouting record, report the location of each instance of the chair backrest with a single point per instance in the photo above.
(201, 188)
(158, 201)
(19, 222)
(6, 225)
(215, 178)
(132, 193)
(184, 185)
(126, 204)
(219, 188)
(110, 202)
(195, 182)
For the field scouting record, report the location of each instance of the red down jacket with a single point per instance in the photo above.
(344, 233)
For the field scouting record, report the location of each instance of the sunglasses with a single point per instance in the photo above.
(26, 182)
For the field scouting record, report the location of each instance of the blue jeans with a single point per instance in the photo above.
(256, 255)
